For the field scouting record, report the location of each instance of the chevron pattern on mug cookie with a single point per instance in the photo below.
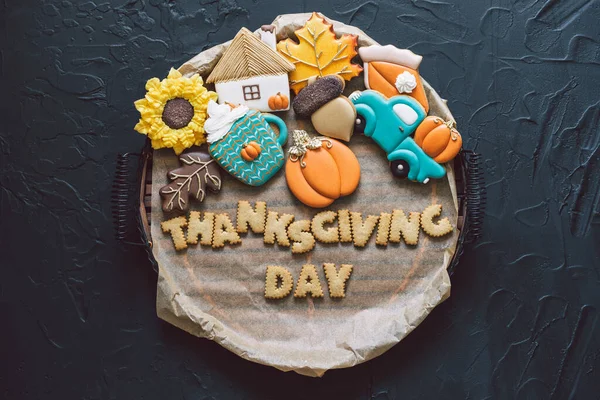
(247, 129)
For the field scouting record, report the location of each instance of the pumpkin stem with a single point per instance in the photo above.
(451, 124)
(302, 143)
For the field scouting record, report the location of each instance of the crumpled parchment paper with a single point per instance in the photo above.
(219, 294)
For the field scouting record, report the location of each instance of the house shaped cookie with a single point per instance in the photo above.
(251, 72)
(392, 71)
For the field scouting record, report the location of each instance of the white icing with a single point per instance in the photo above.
(355, 95)
(268, 85)
(390, 54)
(269, 38)
(220, 119)
(366, 74)
(406, 114)
(406, 82)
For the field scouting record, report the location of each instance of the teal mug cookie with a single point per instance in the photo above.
(244, 144)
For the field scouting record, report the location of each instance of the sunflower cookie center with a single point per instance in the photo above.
(178, 112)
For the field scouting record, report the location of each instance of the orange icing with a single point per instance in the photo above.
(428, 124)
(438, 140)
(322, 173)
(349, 167)
(378, 82)
(301, 189)
(450, 152)
(250, 151)
(382, 77)
(328, 174)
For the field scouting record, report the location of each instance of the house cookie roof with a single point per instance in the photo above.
(247, 56)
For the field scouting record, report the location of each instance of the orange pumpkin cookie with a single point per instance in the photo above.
(279, 102)
(250, 151)
(320, 170)
(439, 139)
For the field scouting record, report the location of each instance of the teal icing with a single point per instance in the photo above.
(253, 127)
(392, 134)
(283, 132)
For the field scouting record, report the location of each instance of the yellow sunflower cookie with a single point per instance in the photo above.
(173, 112)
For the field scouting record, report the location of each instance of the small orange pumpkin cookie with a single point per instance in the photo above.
(320, 170)
(278, 102)
(438, 138)
(250, 151)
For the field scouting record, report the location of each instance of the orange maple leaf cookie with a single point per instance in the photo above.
(319, 53)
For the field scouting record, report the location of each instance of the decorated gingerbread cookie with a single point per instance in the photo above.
(319, 53)
(243, 142)
(390, 123)
(198, 175)
(173, 112)
(252, 73)
(439, 139)
(331, 113)
(320, 170)
(393, 71)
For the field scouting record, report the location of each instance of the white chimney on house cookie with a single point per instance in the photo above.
(267, 35)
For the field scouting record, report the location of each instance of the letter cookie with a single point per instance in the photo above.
(299, 232)
(336, 280)
(224, 231)
(383, 229)
(345, 228)
(254, 217)
(361, 231)
(277, 227)
(329, 235)
(308, 282)
(174, 227)
(443, 227)
(272, 290)
(405, 228)
(203, 228)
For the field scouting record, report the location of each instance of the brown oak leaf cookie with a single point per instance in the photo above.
(198, 174)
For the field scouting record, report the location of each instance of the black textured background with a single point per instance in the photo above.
(77, 310)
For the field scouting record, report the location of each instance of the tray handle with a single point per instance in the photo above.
(472, 201)
(120, 194)
(475, 196)
(124, 191)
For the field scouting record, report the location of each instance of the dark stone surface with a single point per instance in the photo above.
(77, 310)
